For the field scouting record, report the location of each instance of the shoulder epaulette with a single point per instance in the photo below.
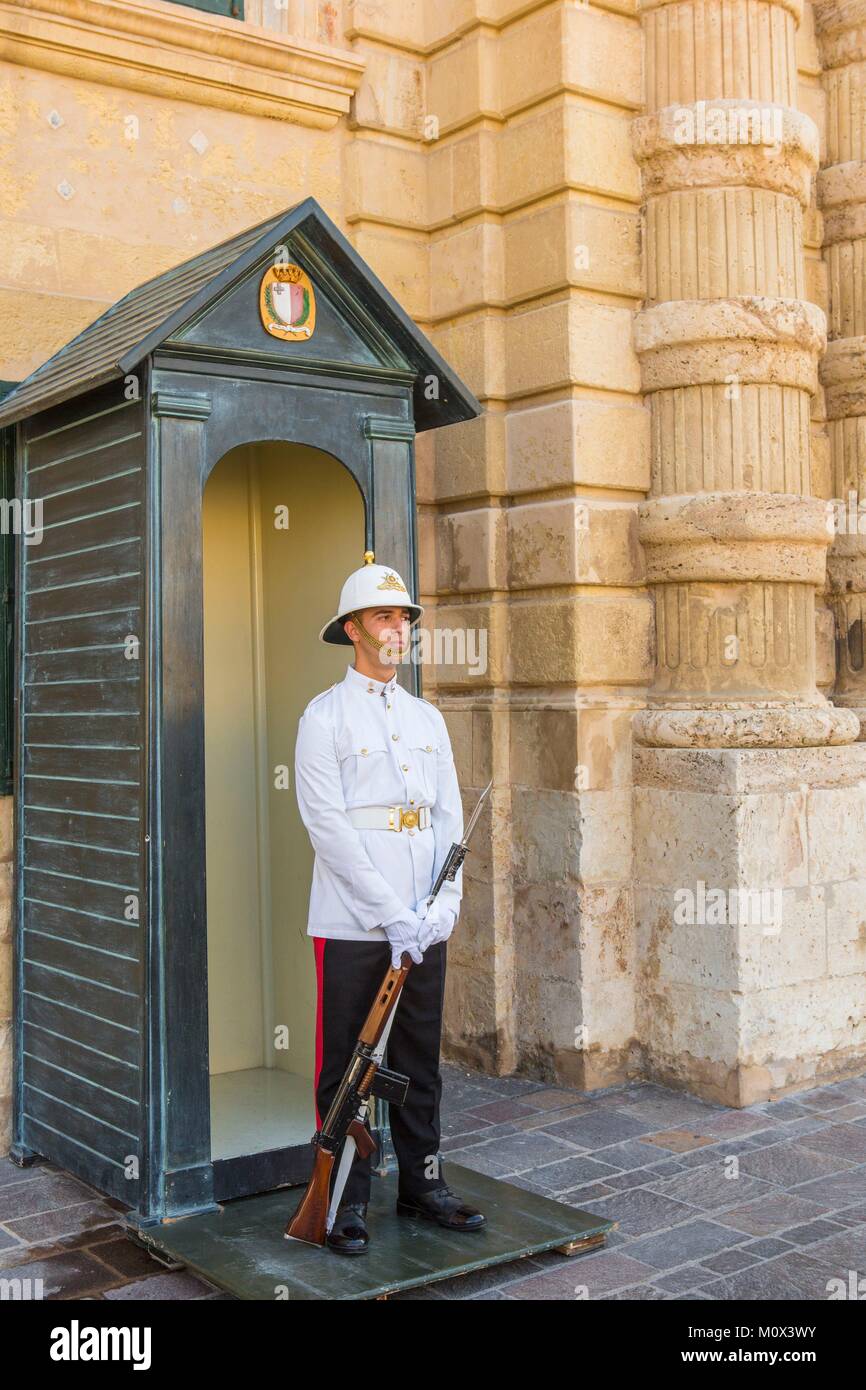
(316, 698)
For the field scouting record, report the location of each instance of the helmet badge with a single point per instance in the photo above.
(392, 582)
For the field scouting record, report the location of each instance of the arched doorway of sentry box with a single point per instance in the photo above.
(279, 522)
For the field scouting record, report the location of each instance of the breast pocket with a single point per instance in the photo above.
(424, 754)
(365, 769)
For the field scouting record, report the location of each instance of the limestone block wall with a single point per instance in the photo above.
(750, 895)
(112, 172)
(529, 517)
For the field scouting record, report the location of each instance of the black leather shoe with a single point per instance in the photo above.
(445, 1208)
(349, 1234)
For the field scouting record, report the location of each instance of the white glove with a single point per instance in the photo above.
(437, 922)
(404, 935)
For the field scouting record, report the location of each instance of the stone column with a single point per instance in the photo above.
(735, 546)
(842, 195)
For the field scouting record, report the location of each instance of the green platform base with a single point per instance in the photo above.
(242, 1247)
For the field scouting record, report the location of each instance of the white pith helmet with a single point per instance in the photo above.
(372, 586)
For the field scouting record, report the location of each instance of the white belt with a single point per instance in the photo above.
(390, 817)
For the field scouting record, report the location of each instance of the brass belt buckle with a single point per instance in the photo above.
(409, 819)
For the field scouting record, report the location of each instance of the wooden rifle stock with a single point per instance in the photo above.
(308, 1222)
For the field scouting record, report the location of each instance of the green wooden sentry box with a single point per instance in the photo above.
(116, 434)
(7, 566)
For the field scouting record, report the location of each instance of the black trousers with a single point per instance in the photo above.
(348, 975)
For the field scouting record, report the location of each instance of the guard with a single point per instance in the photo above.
(377, 790)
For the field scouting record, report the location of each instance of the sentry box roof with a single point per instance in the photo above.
(164, 312)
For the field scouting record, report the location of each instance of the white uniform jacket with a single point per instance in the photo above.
(365, 742)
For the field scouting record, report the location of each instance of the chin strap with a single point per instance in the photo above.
(376, 643)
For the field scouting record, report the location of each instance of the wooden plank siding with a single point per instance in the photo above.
(81, 810)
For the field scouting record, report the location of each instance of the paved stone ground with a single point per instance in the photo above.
(712, 1203)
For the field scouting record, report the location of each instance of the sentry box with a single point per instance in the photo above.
(211, 457)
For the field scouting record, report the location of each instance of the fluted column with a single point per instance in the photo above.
(749, 789)
(842, 195)
(729, 349)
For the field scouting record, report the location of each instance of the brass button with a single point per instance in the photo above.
(395, 737)
(405, 767)
(411, 801)
(364, 751)
(387, 706)
(429, 748)
(370, 689)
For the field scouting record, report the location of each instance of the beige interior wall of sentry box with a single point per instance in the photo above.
(268, 588)
(304, 569)
(234, 947)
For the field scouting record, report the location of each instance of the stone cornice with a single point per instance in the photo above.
(175, 51)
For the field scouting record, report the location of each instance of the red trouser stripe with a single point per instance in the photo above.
(319, 944)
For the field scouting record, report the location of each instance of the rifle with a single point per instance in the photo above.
(364, 1078)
